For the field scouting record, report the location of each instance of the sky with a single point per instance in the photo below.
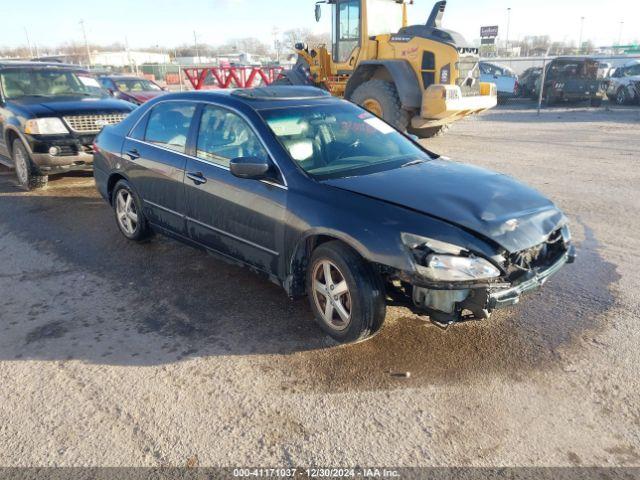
(171, 23)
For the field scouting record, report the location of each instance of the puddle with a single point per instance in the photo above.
(514, 340)
(181, 303)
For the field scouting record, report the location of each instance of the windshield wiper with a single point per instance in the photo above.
(414, 162)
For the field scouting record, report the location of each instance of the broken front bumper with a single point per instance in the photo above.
(447, 304)
(444, 104)
(511, 296)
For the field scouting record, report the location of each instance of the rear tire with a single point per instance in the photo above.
(548, 99)
(596, 102)
(27, 173)
(383, 96)
(350, 305)
(130, 217)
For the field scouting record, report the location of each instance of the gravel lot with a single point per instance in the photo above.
(114, 354)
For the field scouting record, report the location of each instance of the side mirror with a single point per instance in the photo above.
(251, 168)
(318, 12)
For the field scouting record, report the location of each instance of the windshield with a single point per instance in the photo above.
(136, 85)
(49, 83)
(334, 141)
(385, 17)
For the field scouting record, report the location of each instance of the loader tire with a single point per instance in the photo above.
(381, 98)
(429, 132)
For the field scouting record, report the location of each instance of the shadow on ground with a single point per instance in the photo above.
(524, 110)
(167, 302)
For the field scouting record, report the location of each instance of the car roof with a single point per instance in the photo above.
(122, 77)
(7, 64)
(575, 59)
(262, 98)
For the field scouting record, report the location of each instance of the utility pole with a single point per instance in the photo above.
(581, 32)
(508, 27)
(195, 42)
(26, 32)
(620, 34)
(276, 32)
(86, 43)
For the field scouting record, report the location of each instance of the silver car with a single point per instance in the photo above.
(624, 85)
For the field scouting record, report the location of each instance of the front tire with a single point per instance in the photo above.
(430, 132)
(381, 99)
(129, 214)
(27, 173)
(346, 295)
(622, 96)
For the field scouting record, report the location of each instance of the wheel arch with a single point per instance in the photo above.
(112, 181)
(10, 135)
(399, 72)
(298, 261)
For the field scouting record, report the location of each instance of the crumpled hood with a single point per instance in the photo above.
(493, 205)
(67, 105)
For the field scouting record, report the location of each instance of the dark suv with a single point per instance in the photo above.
(572, 79)
(49, 117)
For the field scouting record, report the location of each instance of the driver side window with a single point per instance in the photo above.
(224, 136)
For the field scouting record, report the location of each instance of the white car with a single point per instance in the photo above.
(624, 85)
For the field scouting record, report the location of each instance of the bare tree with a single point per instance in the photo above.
(304, 35)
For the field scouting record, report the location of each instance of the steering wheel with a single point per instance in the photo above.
(352, 146)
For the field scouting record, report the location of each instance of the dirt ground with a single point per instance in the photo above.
(114, 354)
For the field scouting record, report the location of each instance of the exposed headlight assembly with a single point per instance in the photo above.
(443, 262)
(45, 126)
(449, 268)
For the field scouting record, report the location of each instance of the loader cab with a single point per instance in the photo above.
(346, 28)
(354, 22)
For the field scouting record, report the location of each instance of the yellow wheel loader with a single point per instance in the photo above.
(419, 78)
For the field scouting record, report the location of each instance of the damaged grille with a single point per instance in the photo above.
(93, 123)
(468, 75)
(538, 257)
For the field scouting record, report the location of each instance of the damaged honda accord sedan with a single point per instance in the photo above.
(327, 200)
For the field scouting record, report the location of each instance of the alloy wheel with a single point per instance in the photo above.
(621, 97)
(331, 295)
(126, 212)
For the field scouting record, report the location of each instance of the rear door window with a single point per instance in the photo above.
(224, 136)
(169, 125)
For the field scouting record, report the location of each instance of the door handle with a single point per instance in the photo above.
(133, 154)
(198, 178)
